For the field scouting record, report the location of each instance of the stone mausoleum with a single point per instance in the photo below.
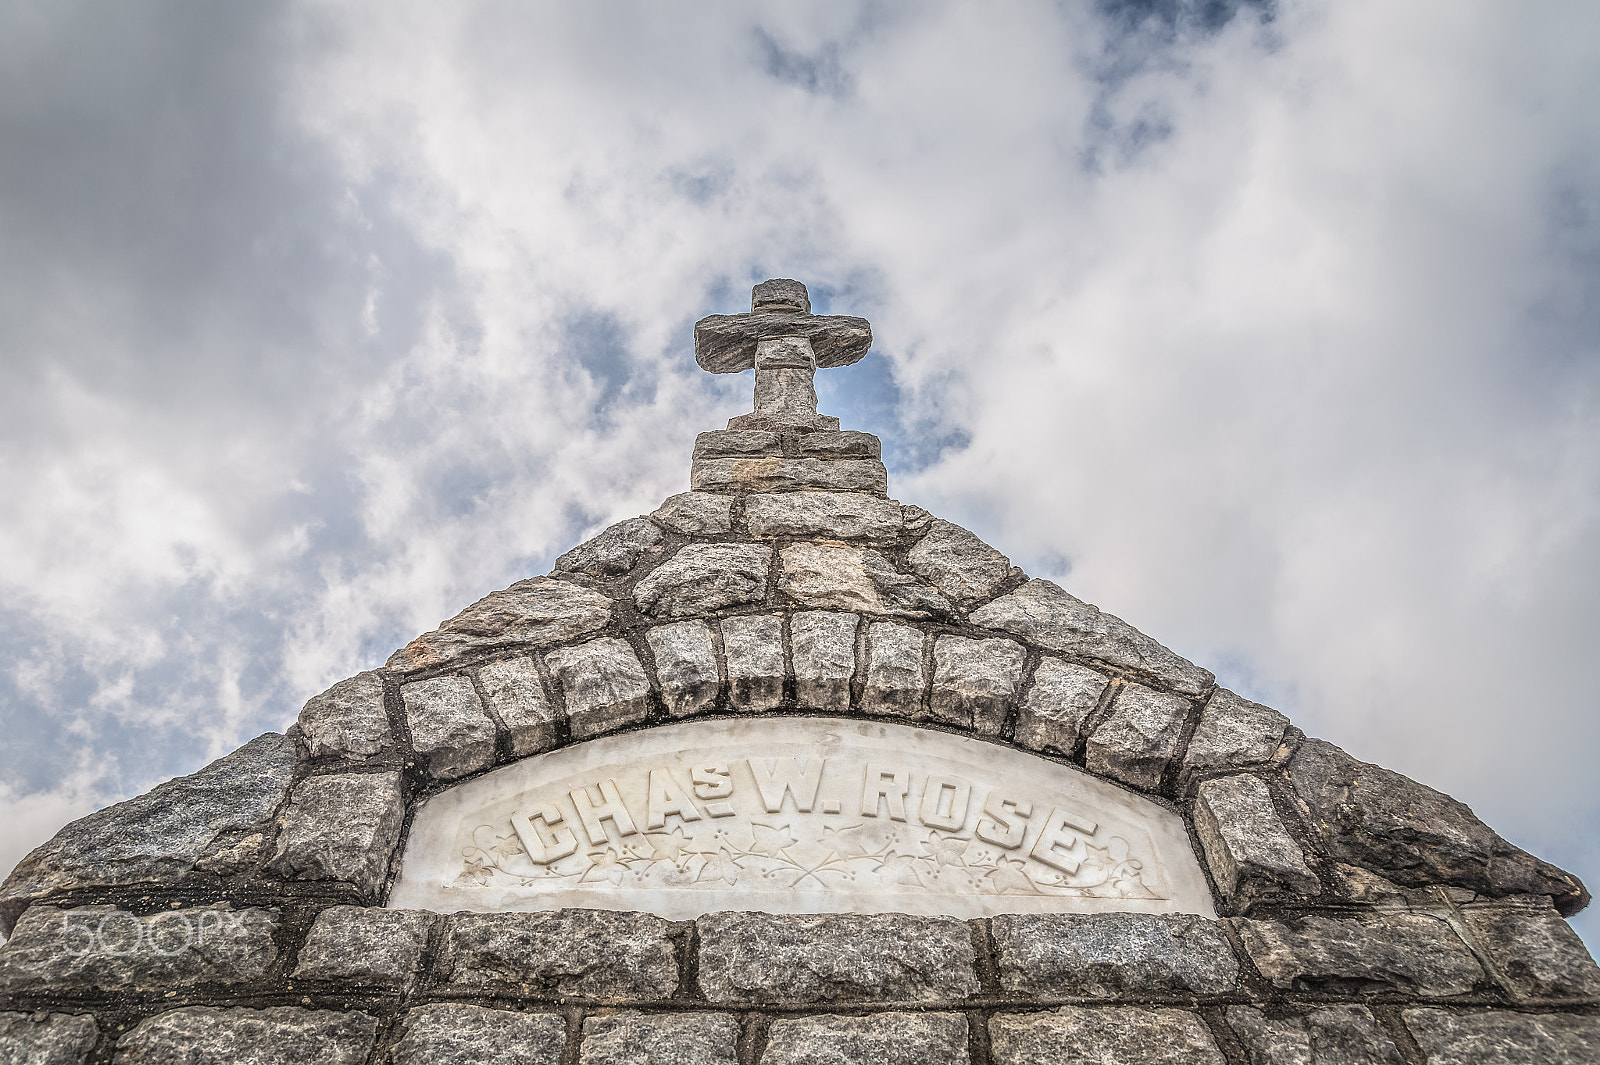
(787, 771)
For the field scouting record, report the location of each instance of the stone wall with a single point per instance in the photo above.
(235, 914)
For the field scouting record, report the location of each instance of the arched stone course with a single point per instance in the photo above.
(1366, 917)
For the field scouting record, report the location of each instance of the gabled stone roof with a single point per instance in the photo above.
(1364, 909)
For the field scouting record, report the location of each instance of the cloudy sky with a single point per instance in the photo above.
(1271, 328)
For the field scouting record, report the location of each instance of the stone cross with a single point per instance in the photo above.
(786, 344)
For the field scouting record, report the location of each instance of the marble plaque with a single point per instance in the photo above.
(796, 815)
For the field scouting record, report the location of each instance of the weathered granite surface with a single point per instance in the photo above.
(456, 1033)
(823, 649)
(737, 444)
(794, 958)
(959, 564)
(46, 1038)
(1105, 1035)
(603, 684)
(1048, 616)
(686, 666)
(1234, 732)
(1496, 1037)
(349, 719)
(848, 444)
(894, 670)
(836, 515)
(514, 690)
(1251, 855)
(888, 1038)
(94, 948)
(1103, 954)
(1063, 695)
(602, 954)
(534, 613)
(702, 578)
(633, 1038)
(449, 729)
(1535, 950)
(1332, 1035)
(615, 550)
(1410, 953)
(1413, 835)
(752, 647)
(366, 947)
(343, 826)
(789, 475)
(834, 576)
(282, 1035)
(1139, 737)
(221, 811)
(696, 513)
(975, 681)
(726, 343)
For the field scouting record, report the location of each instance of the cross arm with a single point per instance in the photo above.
(726, 343)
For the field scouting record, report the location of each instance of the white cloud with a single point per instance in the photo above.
(1271, 336)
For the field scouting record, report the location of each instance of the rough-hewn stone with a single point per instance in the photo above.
(789, 475)
(218, 818)
(1139, 737)
(1048, 616)
(90, 948)
(894, 670)
(737, 444)
(840, 577)
(1500, 1038)
(515, 692)
(1105, 1035)
(1413, 835)
(1332, 1035)
(366, 946)
(686, 666)
(837, 515)
(1535, 950)
(840, 445)
(959, 564)
(822, 646)
(341, 827)
(603, 954)
(349, 719)
(1251, 855)
(793, 958)
(449, 730)
(1112, 954)
(1234, 732)
(634, 1038)
(46, 1038)
(882, 1038)
(282, 1035)
(704, 577)
(752, 645)
(1412, 953)
(616, 550)
(534, 613)
(726, 343)
(696, 513)
(604, 685)
(975, 681)
(455, 1033)
(1063, 695)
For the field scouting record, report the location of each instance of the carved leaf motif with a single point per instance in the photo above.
(898, 869)
(844, 842)
(1011, 878)
(770, 840)
(506, 847)
(719, 866)
(607, 866)
(668, 848)
(947, 850)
